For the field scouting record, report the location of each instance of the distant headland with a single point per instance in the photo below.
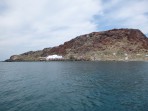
(111, 45)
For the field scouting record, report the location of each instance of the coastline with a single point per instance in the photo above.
(81, 60)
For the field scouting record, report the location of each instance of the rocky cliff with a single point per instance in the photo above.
(116, 44)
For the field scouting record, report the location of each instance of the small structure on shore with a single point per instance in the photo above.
(42, 58)
(54, 57)
(138, 54)
(126, 58)
(114, 54)
(125, 54)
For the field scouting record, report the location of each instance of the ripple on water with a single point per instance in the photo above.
(74, 86)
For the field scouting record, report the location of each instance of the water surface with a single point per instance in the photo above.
(74, 86)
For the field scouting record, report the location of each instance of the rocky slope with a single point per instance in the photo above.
(116, 44)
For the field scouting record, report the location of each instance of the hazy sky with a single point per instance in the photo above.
(35, 24)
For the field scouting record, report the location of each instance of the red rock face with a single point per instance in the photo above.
(99, 41)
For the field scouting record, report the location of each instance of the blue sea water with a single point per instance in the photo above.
(74, 86)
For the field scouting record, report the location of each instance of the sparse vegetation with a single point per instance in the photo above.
(96, 46)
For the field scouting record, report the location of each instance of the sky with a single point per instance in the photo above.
(27, 25)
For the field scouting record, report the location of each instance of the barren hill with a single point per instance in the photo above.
(116, 44)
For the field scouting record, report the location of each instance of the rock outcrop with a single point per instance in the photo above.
(116, 44)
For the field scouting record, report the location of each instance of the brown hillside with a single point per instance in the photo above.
(106, 45)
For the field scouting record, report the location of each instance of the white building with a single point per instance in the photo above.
(126, 54)
(114, 54)
(138, 54)
(126, 58)
(50, 57)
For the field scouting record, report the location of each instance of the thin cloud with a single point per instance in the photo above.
(36, 24)
(125, 13)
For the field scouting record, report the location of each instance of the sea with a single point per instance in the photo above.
(74, 86)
